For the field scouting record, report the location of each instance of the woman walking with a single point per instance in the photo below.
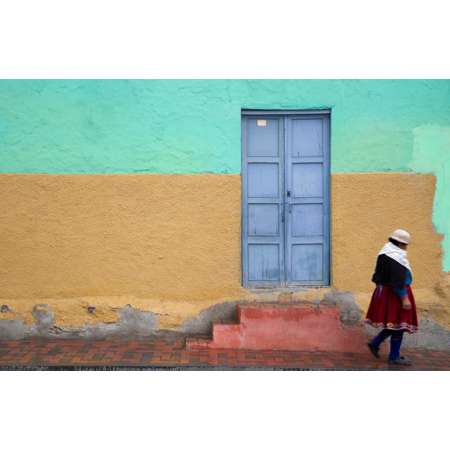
(392, 306)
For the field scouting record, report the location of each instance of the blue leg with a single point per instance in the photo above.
(380, 337)
(396, 342)
(374, 344)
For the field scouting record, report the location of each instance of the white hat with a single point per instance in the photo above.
(401, 236)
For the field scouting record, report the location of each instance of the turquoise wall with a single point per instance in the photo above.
(192, 126)
(189, 126)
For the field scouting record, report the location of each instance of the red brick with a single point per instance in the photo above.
(165, 353)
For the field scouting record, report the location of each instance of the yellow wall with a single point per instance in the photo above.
(169, 236)
(171, 243)
(366, 208)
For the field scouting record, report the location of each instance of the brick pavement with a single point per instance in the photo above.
(163, 352)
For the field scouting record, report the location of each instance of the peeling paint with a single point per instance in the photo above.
(431, 153)
(131, 322)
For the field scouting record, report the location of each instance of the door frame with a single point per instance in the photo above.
(276, 113)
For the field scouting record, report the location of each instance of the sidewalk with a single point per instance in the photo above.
(171, 353)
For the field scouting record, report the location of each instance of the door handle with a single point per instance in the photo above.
(288, 194)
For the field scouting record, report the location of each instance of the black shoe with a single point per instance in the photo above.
(401, 361)
(374, 350)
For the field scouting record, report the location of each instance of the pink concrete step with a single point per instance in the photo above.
(300, 327)
(287, 312)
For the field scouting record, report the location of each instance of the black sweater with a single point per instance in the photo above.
(390, 272)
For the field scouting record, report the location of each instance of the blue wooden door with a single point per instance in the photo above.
(285, 185)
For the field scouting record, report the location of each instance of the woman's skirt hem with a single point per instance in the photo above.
(393, 326)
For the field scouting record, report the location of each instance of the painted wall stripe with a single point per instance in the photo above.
(193, 126)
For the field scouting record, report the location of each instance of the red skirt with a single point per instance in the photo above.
(385, 310)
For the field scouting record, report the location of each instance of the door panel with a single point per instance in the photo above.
(307, 220)
(262, 137)
(263, 220)
(307, 179)
(264, 262)
(307, 262)
(285, 184)
(306, 138)
(263, 180)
